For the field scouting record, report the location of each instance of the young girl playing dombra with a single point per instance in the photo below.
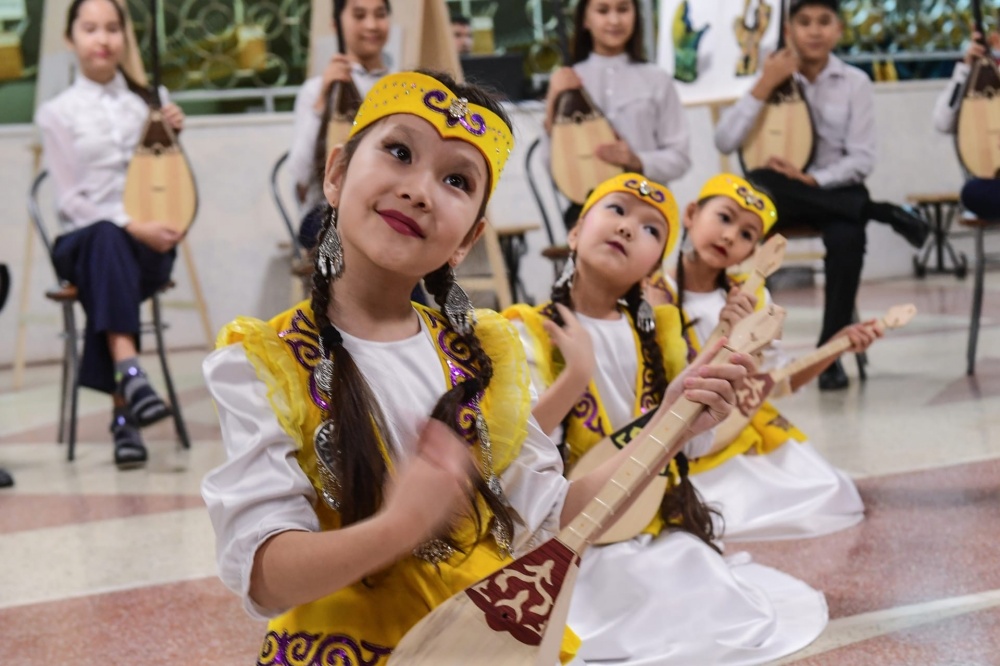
(90, 132)
(600, 357)
(381, 454)
(769, 483)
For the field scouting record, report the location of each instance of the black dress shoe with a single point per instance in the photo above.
(904, 221)
(6, 480)
(833, 378)
(130, 452)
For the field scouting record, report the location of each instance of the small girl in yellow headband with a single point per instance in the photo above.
(600, 357)
(791, 492)
(381, 454)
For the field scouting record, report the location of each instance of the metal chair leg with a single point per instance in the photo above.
(977, 302)
(161, 351)
(74, 364)
(67, 372)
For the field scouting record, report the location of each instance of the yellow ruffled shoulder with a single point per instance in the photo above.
(533, 319)
(269, 355)
(670, 339)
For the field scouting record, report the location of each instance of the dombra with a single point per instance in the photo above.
(977, 135)
(784, 127)
(516, 616)
(578, 128)
(159, 183)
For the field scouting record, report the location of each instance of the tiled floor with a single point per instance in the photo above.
(105, 567)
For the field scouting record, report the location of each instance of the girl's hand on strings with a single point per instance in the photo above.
(713, 386)
(620, 154)
(738, 306)
(433, 487)
(174, 116)
(574, 342)
(861, 335)
(155, 235)
(338, 69)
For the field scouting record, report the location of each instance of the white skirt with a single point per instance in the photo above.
(789, 493)
(675, 601)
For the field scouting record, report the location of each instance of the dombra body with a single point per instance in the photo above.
(578, 128)
(977, 134)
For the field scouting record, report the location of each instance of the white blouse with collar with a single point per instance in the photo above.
(89, 133)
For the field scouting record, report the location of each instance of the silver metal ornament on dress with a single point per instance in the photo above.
(328, 474)
(500, 533)
(458, 309)
(644, 317)
(434, 551)
(330, 253)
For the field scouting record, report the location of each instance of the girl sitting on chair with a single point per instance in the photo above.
(89, 133)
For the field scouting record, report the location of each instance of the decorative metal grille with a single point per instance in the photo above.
(226, 44)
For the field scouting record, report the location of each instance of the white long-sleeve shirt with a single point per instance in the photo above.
(89, 134)
(306, 129)
(641, 103)
(261, 490)
(842, 103)
(948, 102)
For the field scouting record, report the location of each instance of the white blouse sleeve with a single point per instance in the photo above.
(65, 167)
(304, 132)
(535, 489)
(669, 158)
(948, 102)
(260, 490)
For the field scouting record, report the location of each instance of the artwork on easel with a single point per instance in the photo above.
(715, 49)
(750, 29)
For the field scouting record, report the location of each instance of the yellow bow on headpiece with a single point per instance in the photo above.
(453, 117)
(744, 194)
(647, 191)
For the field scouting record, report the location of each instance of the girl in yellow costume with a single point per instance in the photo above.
(601, 356)
(769, 483)
(381, 455)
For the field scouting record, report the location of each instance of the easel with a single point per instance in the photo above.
(52, 42)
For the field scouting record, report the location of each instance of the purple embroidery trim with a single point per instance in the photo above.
(586, 410)
(303, 338)
(654, 194)
(306, 649)
(459, 359)
(440, 96)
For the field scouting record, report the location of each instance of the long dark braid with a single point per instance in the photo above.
(682, 506)
(358, 421)
(438, 284)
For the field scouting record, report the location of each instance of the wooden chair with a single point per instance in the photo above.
(980, 228)
(66, 296)
(803, 232)
(940, 211)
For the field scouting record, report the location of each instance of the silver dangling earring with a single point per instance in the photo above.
(569, 269)
(458, 308)
(330, 253)
(644, 317)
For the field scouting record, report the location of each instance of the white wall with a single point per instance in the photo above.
(235, 237)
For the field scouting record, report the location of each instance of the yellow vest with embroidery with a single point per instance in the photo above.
(360, 624)
(588, 423)
(768, 429)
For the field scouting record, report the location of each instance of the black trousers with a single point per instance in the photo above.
(982, 197)
(837, 213)
(114, 274)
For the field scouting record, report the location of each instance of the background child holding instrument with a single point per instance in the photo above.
(89, 134)
(362, 28)
(600, 357)
(769, 482)
(637, 97)
(980, 195)
(830, 194)
(381, 454)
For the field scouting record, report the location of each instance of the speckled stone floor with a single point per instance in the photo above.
(107, 567)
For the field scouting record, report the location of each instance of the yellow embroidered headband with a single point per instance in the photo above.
(744, 194)
(453, 117)
(646, 191)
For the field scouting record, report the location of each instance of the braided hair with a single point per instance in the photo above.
(359, 424)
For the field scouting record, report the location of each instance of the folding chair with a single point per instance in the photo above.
(66, 296)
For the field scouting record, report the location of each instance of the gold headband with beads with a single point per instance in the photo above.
(452, 116)
(646, 191)
(743, 193)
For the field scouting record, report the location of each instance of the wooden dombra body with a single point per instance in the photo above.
(578, 128)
